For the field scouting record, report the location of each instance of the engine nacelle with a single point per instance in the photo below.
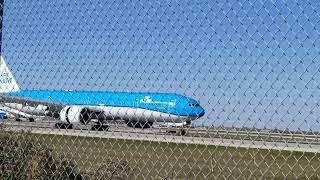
(75, 115)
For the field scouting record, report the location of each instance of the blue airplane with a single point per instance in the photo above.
(137, 109)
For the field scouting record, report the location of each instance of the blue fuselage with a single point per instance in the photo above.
(162, 102)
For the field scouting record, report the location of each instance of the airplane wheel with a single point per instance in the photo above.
(31, 119)
(63, 126)
(183, 132)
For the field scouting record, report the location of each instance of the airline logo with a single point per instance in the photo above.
(7, 81)
(148, 100)
(5, 78)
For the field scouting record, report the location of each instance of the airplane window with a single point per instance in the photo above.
(193, 105)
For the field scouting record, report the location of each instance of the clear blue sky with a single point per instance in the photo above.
(249, 63)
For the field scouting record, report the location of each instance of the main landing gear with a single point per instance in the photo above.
(178, 132)
(30, 119)
(182, 132)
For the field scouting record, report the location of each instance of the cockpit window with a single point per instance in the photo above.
(194, 105)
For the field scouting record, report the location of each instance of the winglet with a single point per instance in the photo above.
(7, 81)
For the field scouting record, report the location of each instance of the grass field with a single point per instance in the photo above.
(182, 161)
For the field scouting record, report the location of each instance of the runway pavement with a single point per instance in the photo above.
(194, 136)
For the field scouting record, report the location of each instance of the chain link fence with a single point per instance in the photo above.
(160, 90)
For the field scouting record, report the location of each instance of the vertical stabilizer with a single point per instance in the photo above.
(7, 81)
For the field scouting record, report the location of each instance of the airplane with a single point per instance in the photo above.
(136, 109)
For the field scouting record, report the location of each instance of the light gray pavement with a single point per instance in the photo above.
(157, 135)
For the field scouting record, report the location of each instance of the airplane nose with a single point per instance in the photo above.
(202, 112)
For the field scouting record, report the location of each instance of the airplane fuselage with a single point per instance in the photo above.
(159, 107)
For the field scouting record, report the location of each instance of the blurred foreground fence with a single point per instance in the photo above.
(160, 90)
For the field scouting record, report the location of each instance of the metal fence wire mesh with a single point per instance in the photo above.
(160, 89)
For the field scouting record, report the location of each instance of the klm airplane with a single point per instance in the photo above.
(138, 110)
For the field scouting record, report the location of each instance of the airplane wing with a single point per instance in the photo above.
(29, 108)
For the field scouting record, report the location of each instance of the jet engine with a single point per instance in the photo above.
(75, 115)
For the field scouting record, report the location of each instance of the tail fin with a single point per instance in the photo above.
(7, 81)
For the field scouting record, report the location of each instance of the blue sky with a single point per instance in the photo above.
(249, 63)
